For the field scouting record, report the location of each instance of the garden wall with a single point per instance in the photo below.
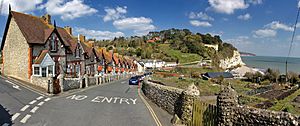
(174, 100)
(231, 113)
(71, 83)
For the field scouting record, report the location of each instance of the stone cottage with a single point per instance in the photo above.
(34, 49)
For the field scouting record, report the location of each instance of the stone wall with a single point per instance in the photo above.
(15, 53)
(40, 81)
(71, 83)
(231, 113)
(175, 101)
(92, 81)
(168, 98)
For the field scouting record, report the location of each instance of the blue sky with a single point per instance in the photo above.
(263, 27)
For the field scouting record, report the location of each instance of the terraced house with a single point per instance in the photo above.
(34, 49)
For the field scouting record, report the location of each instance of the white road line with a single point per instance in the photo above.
(32, 102)
(34, 109)
(25, 118)
(24, 108)
(39, 98)
(16, 115)
(47, 99)
(41, 103)
(5, 124)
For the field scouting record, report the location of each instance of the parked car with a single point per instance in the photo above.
(134, 80)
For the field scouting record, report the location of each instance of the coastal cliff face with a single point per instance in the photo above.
(231, 62)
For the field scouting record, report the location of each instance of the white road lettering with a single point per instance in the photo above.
(77, 97)
(105, 98)
(97, 99)
(125, 100)
(133, 100)
(116, 98)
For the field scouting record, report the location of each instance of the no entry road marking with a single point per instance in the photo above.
(103, 99)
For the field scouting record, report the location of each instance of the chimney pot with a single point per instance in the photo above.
(47, 19)
(68, 29)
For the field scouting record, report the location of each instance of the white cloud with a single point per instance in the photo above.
(99, 35)
(200, 15)
(114, 14)
(200, 23)
(297, 37)
(20, 5)
(264, 33)
(68, 9)
(240, 41)
(244, 17)
(255, 2)
(277, 25)
(140, 25)
(298, 3)
(227, 6)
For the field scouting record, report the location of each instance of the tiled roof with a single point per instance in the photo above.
(87, 47)
(40, 58)
(115, 57)
(36, 31)
(99, 52)
(107, 56)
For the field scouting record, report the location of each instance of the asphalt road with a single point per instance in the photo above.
(113, 104)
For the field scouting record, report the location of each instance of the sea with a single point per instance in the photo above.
(265, 62)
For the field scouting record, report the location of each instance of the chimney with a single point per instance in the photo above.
(47, 19)
(68, 29)
(82, 38)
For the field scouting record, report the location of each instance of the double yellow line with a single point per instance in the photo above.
(150, 109)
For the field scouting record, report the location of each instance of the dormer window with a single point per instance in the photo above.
(77, 52)
(53, 43)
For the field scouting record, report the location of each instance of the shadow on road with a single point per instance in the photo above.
(5, 117)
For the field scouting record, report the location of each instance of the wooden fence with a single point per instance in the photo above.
(203, 114)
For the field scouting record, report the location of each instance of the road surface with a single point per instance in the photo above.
(113, 104)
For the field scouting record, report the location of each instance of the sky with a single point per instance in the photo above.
(262, 27)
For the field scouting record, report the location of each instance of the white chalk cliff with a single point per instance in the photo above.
(232, 62)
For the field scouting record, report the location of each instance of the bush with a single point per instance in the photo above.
(265, 82)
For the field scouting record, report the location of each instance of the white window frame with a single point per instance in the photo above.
(38, 66)
(53, 44)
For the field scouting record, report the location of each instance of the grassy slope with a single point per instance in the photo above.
(183, 57)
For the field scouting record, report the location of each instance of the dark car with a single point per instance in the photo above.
(134, 80)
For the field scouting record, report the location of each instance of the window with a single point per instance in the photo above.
(50, 70)
(36, 71)
(44, 71)
(77, 52)
(53, 43)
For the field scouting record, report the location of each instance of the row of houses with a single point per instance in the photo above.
(34, 47)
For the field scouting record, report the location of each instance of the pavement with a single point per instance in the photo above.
(111, 104)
